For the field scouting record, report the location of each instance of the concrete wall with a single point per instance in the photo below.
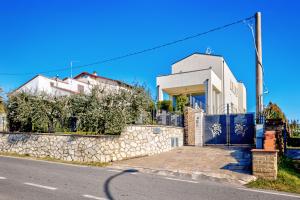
(134, 141)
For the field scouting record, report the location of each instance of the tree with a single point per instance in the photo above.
(1, 102)
(273, 111)
(181, 102)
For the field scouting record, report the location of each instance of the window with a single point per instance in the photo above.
(80, 88)
(51, 84)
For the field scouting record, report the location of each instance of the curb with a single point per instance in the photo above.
(216, 177)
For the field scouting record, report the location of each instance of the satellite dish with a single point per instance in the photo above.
(208, 51)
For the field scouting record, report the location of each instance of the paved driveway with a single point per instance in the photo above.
(219, 163)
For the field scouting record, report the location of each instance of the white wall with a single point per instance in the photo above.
(231, 89)
(242, 98)
(58, 87)
(199, 62)
(223, 87)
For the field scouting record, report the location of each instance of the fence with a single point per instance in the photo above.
(169, 119)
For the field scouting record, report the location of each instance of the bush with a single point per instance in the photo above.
(99, 112)
(165, 105)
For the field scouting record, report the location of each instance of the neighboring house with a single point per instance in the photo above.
(207, 81)
(82, 83)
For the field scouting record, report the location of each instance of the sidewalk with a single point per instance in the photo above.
(224, 164)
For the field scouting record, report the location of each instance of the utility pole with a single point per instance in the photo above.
(259, 70)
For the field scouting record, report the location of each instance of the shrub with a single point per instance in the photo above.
(165, 105)
(100, 112)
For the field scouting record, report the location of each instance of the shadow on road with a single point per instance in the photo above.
(107, 183)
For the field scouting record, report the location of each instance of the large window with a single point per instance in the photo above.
(198, 100)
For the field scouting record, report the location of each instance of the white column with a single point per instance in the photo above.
(208, 96)
(160, 94)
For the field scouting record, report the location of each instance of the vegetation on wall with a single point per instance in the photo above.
(99, 112)
(273, 111)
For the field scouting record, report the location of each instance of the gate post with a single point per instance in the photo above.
(193, 126)
(199, 123)
(189, 126)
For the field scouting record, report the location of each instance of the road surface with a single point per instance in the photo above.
(38, 180)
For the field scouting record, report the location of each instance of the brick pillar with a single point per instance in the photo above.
(270, 140)
(264, 163)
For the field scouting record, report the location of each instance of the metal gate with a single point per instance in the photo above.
(232, 129)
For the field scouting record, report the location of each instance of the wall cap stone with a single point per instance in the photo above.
(160, 126)
(57, 134)
(264, 151)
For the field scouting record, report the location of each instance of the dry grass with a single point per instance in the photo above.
(95, 164)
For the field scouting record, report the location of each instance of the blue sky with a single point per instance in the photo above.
(44, 35)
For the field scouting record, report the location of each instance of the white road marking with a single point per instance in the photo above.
(175, 179)
(93, 197)
(273, 193)
(2, 178)
(41, 186)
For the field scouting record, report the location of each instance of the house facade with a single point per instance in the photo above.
(207, 81)
(82, 83)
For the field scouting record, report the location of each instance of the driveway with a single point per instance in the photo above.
(225, 164)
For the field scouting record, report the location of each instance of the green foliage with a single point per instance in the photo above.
(273, 111)
(294, 128)
(1, 102)
(165, 105)
(99, 112)
(181, 102)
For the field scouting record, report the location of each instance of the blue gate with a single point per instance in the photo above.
(232, 129)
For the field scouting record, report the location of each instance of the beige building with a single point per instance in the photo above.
(207, 81)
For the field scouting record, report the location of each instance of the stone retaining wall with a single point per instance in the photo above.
(134, 141)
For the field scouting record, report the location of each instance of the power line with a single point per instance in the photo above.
(256, 52)
(137, 52)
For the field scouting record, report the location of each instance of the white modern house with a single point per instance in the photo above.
(208, 82)
(82, 83)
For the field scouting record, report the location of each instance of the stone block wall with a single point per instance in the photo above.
(189, 126)
(264, 164)
(134, 141)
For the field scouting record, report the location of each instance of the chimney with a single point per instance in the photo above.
(95, 73)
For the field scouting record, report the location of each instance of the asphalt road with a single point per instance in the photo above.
(38, 180)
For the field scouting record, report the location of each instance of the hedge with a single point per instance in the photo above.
(100, 112)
